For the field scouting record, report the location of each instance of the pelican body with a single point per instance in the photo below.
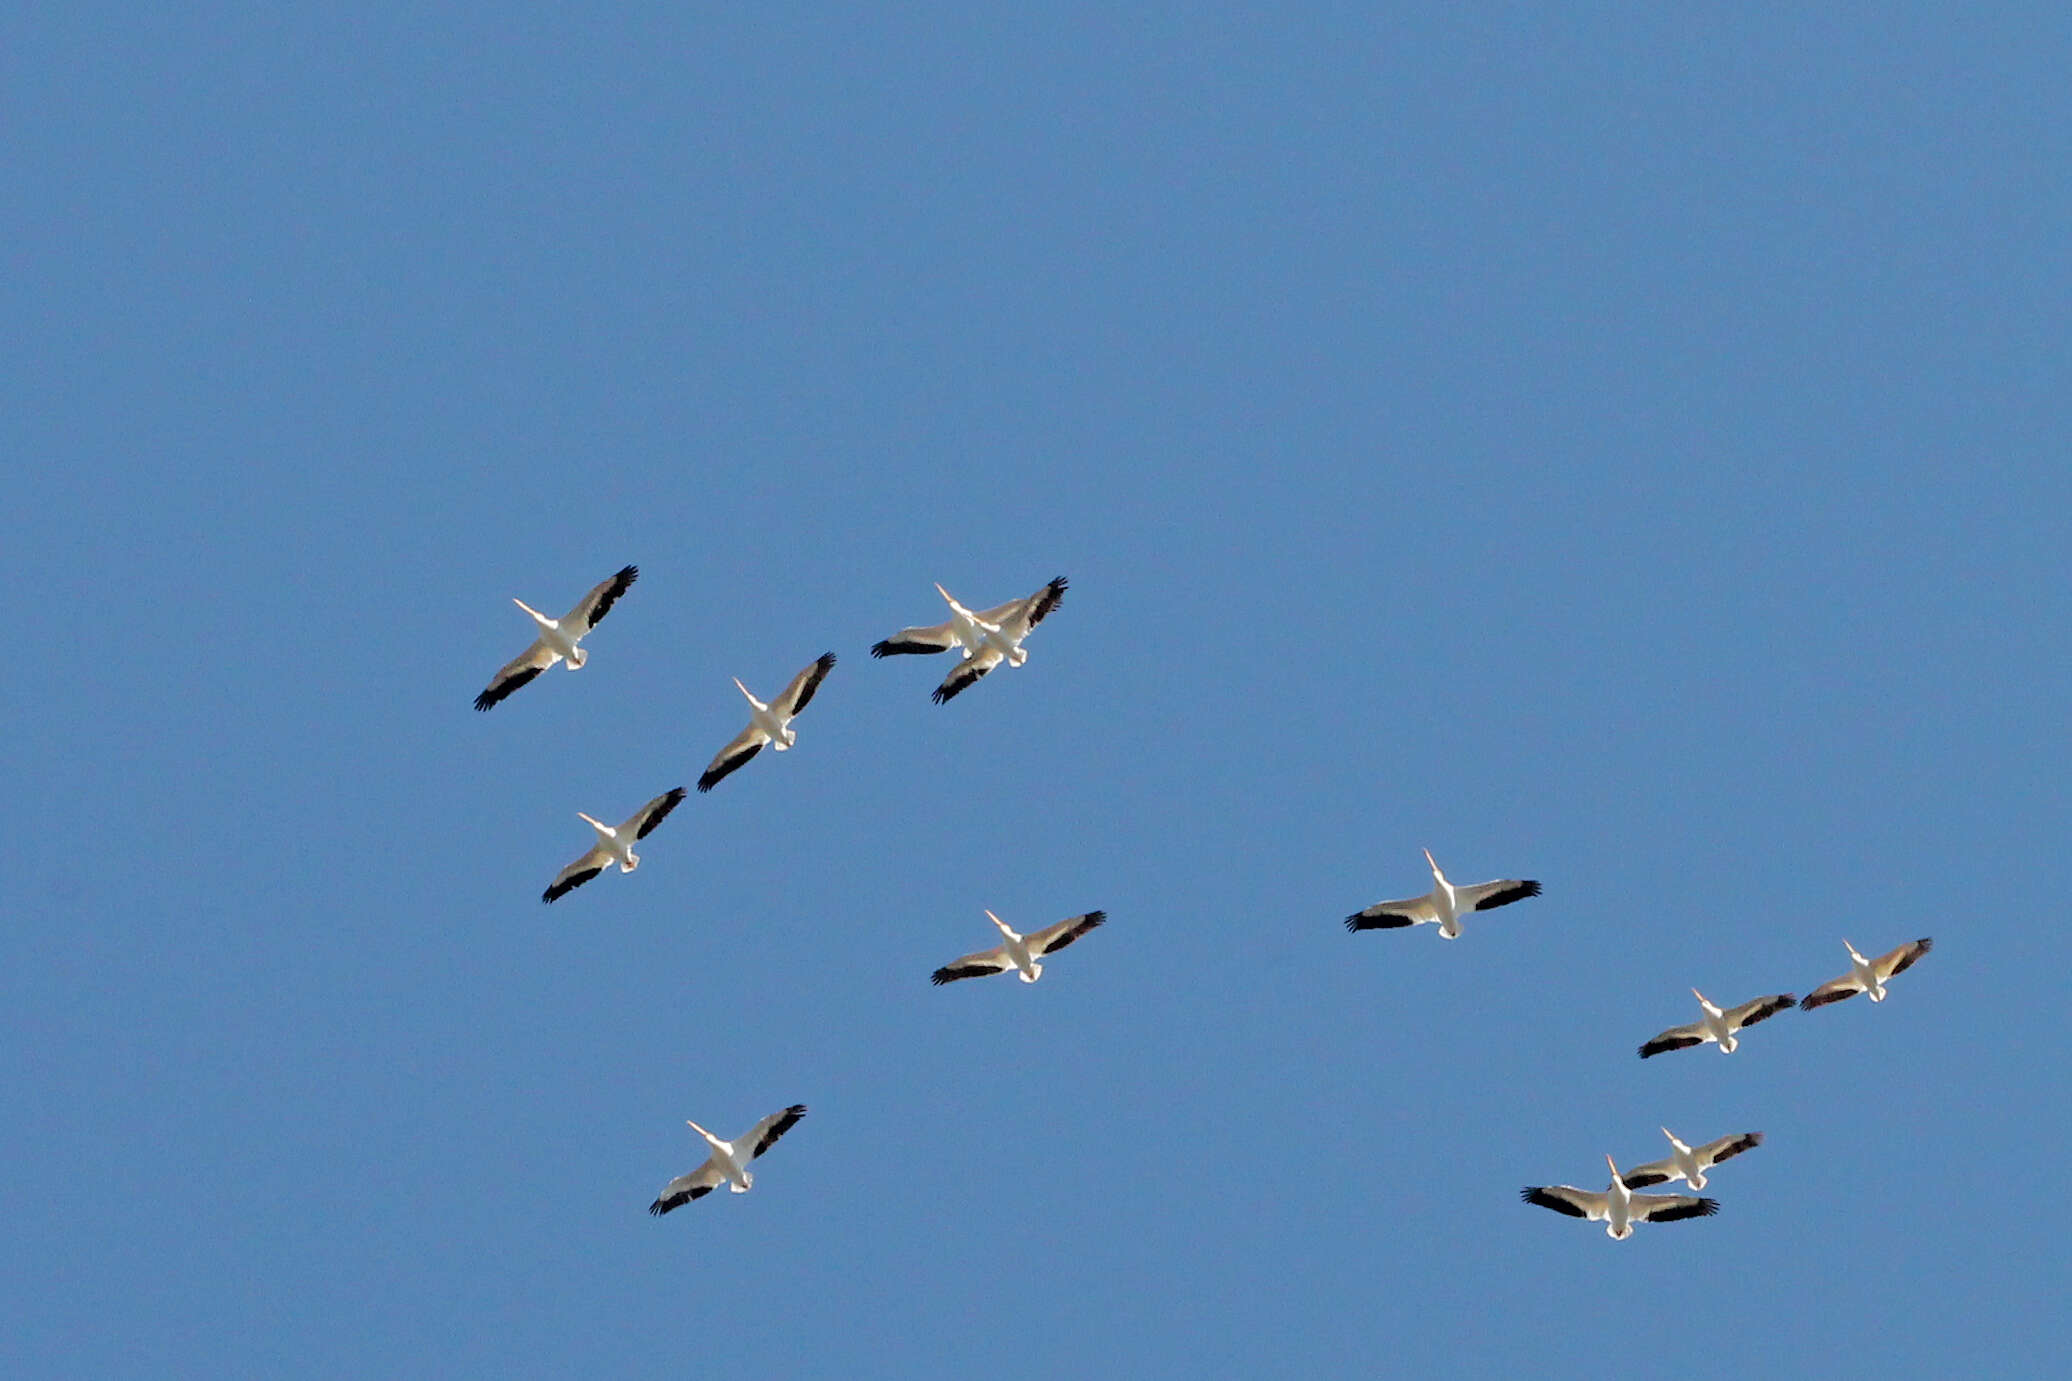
(614, 845)
(1718, 1024)
(768, 724)
(1022, 953)
(728, 1163)
(558, 639)
(1446, 903)
(1618, 1208)
(1688, 1163)
(1868, 975)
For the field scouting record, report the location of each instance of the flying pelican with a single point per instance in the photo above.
(1867, 975)
(1619, 1207)
(1445, 904)
(769, 723)
(1718, 1025)
(986, 638)
(1688, 1164)
(728, 1163)
(558, 637)
(612, 844)
(1020, 952)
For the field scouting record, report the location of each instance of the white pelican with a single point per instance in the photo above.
(1719, 1025)
(1689, 1164)
(1445, 904)
(1021, 952)
(1867, 975)
(728, 1163)
(769, 723)
(987, 638)
(612, 844)
(1618, 1207)
(558, 637)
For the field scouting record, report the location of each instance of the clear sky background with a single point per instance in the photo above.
(1623, 447)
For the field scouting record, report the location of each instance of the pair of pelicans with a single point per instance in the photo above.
(986, 638)
(1618, 1207)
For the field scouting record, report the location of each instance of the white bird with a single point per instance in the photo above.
(613, 845)
(558, 637)
(1021, 952)
(1867, 975)
(987, 638)
(1688, 1163)
(769, 723)
(1445, 903)
(1619, 1208)
(1719, 1025)
(728, 1163)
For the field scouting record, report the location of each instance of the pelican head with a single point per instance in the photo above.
(1672, 1137)
(710, 1139)
(537, 617)
(606, 830)
(951, 600)
(1703, 1001)
(1434, 865)
(1005, 929)
(746, 693)
(1854, 957)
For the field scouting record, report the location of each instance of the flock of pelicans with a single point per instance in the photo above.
(987, 638)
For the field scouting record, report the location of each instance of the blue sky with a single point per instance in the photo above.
(1622, 448)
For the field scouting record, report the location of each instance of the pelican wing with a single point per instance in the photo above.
(1654, 1172)
(577, 873)
(1488, 896)
(591, 609)
(1025, 613)
(1832, 991)
(685, 1188)
(1667, 1208)
(1053, 938)
(981, 965)
(1901, 959)
(799, 693)
(764, 1134)
(1394, 915)
(517, 672)
(1759, 1009)
(650, 815)
(1563, 1198)
(1675, 1038)
(934, 638)
(746, 745)
(965, 673)
(1726, 1148)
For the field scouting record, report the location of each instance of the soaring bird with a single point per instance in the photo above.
(987, 638)
(1718, 1024)
(769, 723)
(612, 844)
(728, 1162)
(1867, 975)
(1618, 1207)
(558, 637)
(1021, 952)
(1688, 1163)
(1445, 903)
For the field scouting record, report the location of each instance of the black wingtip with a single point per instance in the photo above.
(880, 647)
(939, 977)
(1352, 924)
(707, 781)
